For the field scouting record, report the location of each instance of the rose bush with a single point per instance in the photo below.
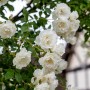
(31, 57)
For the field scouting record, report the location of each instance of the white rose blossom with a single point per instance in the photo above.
(69, 36)
(74, 15)
(43, 86)
(22, 59)
(38, 74)
(61, 10)
(62, 65)
(50, 62)
(59, 49)
(68, 30)
(61, 25)
(74, 25)
(65, 22)
(7, 29)
(3, 2)
(49, 78)
(46, 39)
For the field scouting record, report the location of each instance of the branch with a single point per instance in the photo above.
(17, 17)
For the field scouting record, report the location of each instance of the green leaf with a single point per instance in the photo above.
(62, 81)
(35, 26)
(25, 14)
(10, 7)
(9, 74)
(0, 86)
(18, 77)
(36, 17)
(87, 35)
(42, 21)
(36, 1)
(20, 89)
(24, 28)
(48, 10)
(40, 13)
(12, 0)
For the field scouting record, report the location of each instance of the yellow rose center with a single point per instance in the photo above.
(49, 61)
(61, 25)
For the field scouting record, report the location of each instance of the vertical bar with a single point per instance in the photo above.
(86, 78)
(86, 73)
(75, 79)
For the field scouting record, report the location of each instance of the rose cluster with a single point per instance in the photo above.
(65, 25)
(52, 62)
(65, 22)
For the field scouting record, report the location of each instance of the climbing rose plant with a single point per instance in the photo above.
(32, 50)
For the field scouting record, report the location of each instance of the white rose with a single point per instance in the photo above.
(38, 74)
(46, 39)
(62, 65)
(3, 2)
(74, 25)
(59, 49)
(54, 85)
(7, 29)
(50, 60)
(50, 79)
(43, 86)
(61, 10)
(61, 25)
(74, 15)
(22, 59)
